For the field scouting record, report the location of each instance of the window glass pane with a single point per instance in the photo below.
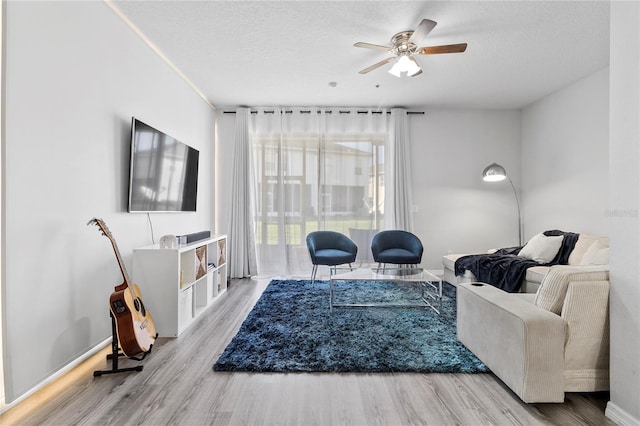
(348, 192)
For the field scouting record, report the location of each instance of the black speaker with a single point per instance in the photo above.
(197, 236)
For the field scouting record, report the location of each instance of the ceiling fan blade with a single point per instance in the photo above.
(372, 46)
(378, 65)
(447, 48)
(424, 28)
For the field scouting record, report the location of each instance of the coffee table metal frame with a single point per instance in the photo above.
(430, 284)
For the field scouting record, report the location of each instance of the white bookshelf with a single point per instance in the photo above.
(177, 285)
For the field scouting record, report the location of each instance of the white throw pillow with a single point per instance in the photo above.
(596, 254)
(541, 248)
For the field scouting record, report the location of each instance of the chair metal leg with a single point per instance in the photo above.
(314, 270)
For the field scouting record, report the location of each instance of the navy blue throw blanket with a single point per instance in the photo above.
(505, 269)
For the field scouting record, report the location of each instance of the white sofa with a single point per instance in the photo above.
(542, 345)
(592, 246)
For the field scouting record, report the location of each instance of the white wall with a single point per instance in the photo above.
(456, 210)
(1, 207)
(565, 151)
(75, 74)
(624, 160)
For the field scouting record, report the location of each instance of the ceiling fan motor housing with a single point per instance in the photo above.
(401, 44)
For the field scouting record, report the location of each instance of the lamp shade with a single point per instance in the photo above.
(405, 64)
(494, 173)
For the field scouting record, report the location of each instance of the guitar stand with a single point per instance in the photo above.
(115, 354)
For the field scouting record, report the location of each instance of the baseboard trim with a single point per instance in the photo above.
(55, 376)
(620, 416)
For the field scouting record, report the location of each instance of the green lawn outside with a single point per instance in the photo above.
(297, 232)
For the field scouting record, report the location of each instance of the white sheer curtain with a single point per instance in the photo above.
(398, 166)
(314, 169)
(242, 254)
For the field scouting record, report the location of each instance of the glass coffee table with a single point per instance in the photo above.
(430, 285)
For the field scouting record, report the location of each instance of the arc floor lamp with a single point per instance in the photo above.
(495, 173)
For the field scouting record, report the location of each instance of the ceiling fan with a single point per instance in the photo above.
(404, 46)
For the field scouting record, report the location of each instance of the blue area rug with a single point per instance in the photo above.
(291, 329)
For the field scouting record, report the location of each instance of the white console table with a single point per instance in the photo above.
(177, 285)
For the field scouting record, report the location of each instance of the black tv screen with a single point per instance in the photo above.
(164, 172)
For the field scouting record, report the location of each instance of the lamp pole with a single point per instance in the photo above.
(519, 216)
(495, 173)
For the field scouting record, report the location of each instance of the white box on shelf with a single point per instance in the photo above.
(212, 284)
(185, 308)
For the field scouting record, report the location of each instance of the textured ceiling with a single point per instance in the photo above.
(285, 53)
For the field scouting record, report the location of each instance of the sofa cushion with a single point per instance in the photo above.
(552, 292)
(596, 254)
(582, 245)
(536, 274)
(449, 261)
(541, 248)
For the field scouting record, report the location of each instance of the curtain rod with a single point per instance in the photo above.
(326, 112)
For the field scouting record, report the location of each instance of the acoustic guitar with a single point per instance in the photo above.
(134, 324)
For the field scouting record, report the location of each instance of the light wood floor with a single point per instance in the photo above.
(178, 386)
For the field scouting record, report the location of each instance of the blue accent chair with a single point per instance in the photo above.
(396, 247)
(331, 249)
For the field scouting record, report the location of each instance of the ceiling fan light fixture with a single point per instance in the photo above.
(395, 70)
(406, 65)
(414, 69)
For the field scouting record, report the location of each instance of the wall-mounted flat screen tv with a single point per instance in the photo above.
(164, 172)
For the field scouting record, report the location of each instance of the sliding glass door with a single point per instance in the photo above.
(314, 171)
